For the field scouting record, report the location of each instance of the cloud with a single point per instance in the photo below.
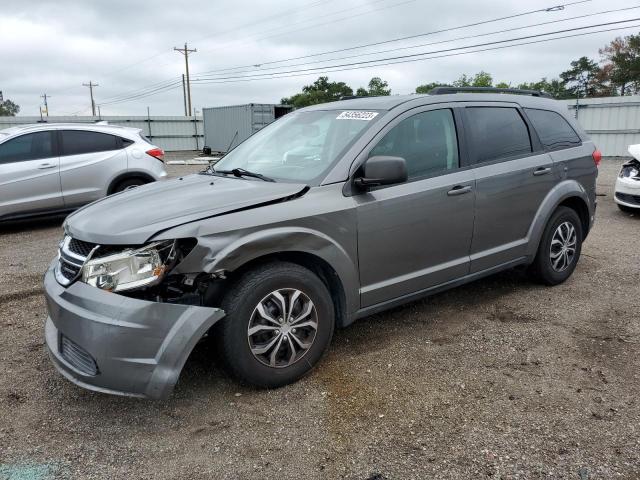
(125, 46)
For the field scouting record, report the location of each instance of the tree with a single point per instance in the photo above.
(583, 79)
(377, 88)
(320, 91)
(480, 79)
(621, 60)
(427, 87)
(8, 109)
(555, 87)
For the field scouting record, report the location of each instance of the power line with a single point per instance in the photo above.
(185, 51)
(409, 37)
(213, 76)
(363, 65)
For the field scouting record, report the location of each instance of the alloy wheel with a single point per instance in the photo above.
(282, 328)
(563, 246)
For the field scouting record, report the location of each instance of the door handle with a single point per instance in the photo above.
(459, 190)
(45, 166)
(541, 171)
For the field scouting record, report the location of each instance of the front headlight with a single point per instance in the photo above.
(630, 170)
(131, 268)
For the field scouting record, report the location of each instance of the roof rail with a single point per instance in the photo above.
(517, 91)
(351, 97)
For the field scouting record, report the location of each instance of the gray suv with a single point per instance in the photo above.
(330, 214)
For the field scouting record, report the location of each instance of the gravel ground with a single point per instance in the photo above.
(501, 378)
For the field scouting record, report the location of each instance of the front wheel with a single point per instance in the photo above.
(279, 323)
(560, 247)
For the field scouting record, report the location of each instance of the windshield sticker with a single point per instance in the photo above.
(357, 115)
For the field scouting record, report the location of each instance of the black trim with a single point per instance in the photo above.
(516, 91)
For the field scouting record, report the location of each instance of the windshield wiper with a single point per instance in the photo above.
(241, 172)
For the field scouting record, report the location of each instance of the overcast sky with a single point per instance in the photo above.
(127, 46)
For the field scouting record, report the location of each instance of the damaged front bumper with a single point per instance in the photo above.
(114, 344)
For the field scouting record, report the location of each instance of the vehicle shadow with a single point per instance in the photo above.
(31, 224)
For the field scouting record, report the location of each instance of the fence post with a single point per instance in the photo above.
(149, 123)
(195, 125)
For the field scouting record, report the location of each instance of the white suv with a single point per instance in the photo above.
(51, 168)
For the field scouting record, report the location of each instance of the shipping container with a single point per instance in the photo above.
(226, 127)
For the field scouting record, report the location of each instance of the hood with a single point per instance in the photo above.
(133, 216)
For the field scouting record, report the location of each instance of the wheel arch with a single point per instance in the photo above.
(128, 176)
(570, 194)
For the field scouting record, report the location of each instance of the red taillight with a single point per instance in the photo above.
(156, 153)
(597, 156)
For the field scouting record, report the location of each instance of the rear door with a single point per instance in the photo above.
(88, 162)
(513, 175)
(416, 235)
(29, 174)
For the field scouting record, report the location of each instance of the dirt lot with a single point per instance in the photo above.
(501, 378)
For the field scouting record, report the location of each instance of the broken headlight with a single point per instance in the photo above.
(630, 170)
(131, 268)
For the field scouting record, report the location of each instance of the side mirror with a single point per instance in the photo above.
(382, 170)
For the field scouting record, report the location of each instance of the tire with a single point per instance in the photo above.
(128, 184)
(241, 304)
(625, 209)
(553, 271)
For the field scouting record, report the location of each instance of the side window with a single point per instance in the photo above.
(32, 146)
(497, 133)
(427, 141)
(554, 131)
(75, 142)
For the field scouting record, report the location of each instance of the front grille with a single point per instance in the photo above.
(68, 270)
(81, 248)
(77, 357)
(625, 197)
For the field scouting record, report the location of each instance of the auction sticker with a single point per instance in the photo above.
(357, 115)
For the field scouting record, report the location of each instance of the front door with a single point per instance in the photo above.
(416, 235)
(29, 175)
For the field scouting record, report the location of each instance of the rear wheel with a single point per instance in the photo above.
(128, 184)
(279, 323)
(560, 247)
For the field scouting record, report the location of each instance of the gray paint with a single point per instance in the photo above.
(229, 126)
(386, 246)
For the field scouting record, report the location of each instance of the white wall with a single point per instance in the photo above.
(612, 122)
(170, 133)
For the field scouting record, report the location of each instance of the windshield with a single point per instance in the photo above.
(300, 147)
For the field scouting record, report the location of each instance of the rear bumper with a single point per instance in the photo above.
(114, 344)
(627, 192)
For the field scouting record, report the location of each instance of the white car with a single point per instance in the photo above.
(55, 168)
(627, 190)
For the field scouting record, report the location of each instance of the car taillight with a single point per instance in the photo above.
(597, 157)
(156, 153)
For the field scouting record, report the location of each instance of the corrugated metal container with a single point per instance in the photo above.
(226, 127)
(171, 133)
(612, 122)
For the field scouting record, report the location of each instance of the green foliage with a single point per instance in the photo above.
(503, 85)
(376, 88)
(621, 67)
(480, 79)
(555, 87)
(8, 109)
(320, 91)
(427, 87)
(583, 79)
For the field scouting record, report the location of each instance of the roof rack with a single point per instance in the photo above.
(517, 91)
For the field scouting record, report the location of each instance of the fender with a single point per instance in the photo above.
(221, 253)
(562, 191)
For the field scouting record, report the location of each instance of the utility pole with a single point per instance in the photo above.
(185, 51)
(184, 95)
(46, 105)
(93, 103)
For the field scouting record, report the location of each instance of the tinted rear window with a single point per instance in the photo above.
(554, 131)
(75, 142)
(498, 133)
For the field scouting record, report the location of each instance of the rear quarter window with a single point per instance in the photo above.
(554, 131)
(498, 133)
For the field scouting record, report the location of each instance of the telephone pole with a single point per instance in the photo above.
(184, 95)
(46, 105)
(93, 103)
(185, 51)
